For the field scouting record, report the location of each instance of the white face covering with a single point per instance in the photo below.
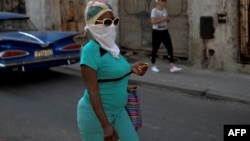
(105, 35)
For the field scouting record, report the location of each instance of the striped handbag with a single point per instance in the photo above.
(133, 107)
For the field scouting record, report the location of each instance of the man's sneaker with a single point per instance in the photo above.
(155, 69)
(175, 69)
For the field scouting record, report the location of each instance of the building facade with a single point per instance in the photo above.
(210, 34)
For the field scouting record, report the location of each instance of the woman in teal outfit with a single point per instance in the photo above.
(100, 113)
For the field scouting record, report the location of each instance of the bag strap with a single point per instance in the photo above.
(102, 52)
(114, 79)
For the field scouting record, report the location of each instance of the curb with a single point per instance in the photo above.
(200, 92)
(193, 91)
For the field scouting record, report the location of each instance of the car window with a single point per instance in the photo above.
(16, 25)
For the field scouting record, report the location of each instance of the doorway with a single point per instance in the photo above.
(244, 51)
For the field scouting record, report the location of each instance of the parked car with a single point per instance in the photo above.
(23, 47)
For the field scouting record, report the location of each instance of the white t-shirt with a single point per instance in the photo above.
(156, 13)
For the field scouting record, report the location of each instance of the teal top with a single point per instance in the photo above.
(113, 94)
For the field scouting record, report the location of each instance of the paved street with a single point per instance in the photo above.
(39, 106)
(44, 109)
(170, 115)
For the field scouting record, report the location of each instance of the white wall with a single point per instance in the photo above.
(44, 13)
(225, 44)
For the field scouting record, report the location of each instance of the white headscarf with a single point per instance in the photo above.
(104, 35)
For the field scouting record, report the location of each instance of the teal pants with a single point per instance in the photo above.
(90, 127)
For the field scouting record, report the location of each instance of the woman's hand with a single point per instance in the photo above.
(110, 134)
(139, 68)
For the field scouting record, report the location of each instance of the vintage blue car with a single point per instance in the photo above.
(23, 47)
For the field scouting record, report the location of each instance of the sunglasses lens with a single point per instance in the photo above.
(116, 21)
(107, 22)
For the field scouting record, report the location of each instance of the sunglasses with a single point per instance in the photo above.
(108, 21)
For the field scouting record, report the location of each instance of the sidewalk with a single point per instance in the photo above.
(207, 83)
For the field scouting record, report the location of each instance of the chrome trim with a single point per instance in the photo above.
(32, 36)
(39, 61)
(2, 38)
(21, 40)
